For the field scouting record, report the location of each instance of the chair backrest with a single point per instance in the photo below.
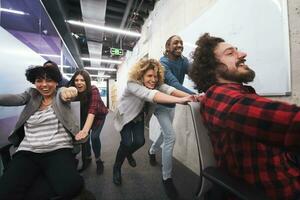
(206, 156)
(75, 108)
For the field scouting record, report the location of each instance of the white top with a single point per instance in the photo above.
(132, 101)
(44, 133)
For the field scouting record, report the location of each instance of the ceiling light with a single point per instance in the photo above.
(64, 66)
(101, 69)
(91, 75)
(100, 76)
(104, 28)
(102, 60)
(13, 11)
(50, 55)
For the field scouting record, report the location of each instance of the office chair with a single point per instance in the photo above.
(212, 178)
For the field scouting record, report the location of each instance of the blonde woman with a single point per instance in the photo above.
(145, 84)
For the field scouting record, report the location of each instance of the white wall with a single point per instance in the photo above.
(170, 17)
(15, 57)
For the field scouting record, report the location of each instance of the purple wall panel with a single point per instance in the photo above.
(36, 31)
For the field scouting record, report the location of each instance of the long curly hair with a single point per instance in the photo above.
(142, 66)
(203, 70)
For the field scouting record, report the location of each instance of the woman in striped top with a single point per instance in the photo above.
(43, 165)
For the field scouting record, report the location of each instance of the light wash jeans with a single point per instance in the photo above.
(165, 116)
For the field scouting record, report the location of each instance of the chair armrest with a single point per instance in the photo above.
(4, 146)
(5, 154)
(240, 189)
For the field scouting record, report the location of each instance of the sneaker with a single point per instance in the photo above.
(86, 164)
(100, 167)
(152, 158)
(170, 188)
(131, 160)
(85, 195)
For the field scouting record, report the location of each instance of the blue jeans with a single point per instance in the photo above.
(167, 137)
(95, 140)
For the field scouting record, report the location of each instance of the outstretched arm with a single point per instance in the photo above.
(171, 80)
(14, 99)
(67, 94)
(93, 109)
(160, 97)
(86, 128)
(179, 93)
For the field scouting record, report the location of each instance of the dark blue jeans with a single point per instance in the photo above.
(95, 140)
(132, 138)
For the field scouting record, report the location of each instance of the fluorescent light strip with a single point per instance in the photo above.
(50, 55)
(64, 66)
(91, 75)
(101, 69)
(100, 76)
(13, 11)
(102, 60)
(104, 28)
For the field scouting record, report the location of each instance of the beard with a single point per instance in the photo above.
(240, 77)
(175, 53)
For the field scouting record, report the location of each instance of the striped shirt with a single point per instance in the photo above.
(44, 133)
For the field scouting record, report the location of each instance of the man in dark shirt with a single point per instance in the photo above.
(64, 81)
(253, 137)
(176, 67)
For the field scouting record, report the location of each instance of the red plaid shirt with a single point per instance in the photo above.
(97, 107)
(251, 137)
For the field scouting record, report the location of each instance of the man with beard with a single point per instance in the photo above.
(176, 66)
(253, 137)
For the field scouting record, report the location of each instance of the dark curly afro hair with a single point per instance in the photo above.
(203, 70)
(35, 72)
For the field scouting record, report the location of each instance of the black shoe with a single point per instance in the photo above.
(117, 178)
(152, 159)
(170, 188)
(131, 160)
(100, 167)
(86, 164)
(85, 195)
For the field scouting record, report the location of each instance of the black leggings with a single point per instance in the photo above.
(132, 138)
(41, 176)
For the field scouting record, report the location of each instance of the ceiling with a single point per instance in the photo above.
(92, 43)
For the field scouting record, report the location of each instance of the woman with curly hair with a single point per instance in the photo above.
(145, 85)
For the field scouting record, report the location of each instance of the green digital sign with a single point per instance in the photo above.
(116, 52)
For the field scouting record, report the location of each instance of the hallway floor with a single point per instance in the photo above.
(143, 182)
